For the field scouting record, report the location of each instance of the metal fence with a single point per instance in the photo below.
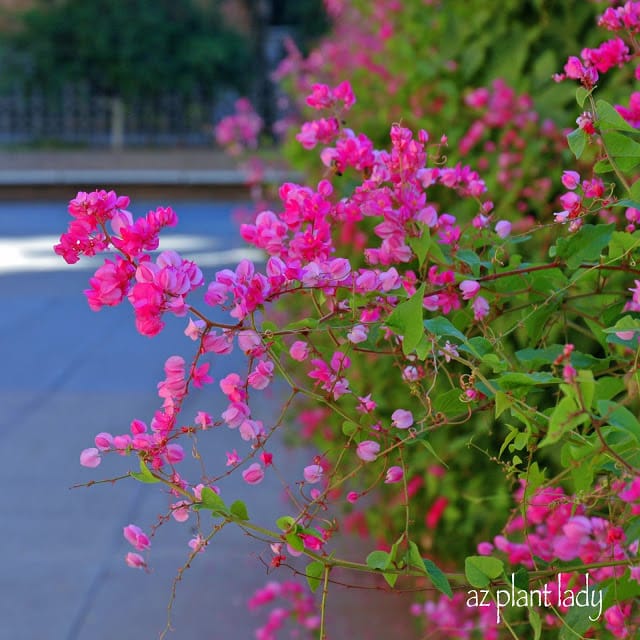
(75, 116)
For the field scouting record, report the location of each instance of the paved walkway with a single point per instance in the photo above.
(69, 373)
(183, 172)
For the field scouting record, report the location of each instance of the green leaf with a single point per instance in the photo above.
(536, 321)
(623, 243)
(406, 319)
(211, 500)
(478, 346)
(379, 560)
(513, 432)
(314, 571)
(534, 478)
(441, 327)
(449, 403)
(609, 118)
(513, 380)
(503, 402)
(581, 95)
(577, 140)
(481, 570)
(472, 259)
(576, 620)
(608, 387)
(565, 417)
(626, 202)
(304, 323)
(582, 476)
(238, 509)
(619, 589)
(587, 386)
(620, 417)
(144, 475)
(585, 245)
(285, 523)
(521, 579)
(496, 363)
(414, 557)
(349, 428)
(294, 541)
(437, 577)
(391, 578)
(621, 146)
(603, 166)
(536, 623)
(422, 245)
(626, 323)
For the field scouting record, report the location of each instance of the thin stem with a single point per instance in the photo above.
(323, 604)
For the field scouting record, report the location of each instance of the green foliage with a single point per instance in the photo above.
(481, 570)
(129, 48)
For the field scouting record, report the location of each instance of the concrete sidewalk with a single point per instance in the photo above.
(69, 373)
(187, 173)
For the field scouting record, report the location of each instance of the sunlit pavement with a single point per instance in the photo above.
(68, 373)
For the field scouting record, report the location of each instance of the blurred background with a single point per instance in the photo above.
(75, 73)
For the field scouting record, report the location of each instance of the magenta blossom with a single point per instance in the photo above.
(136, 537)
(469, 289)
(90, 457)
(312, 473)
(135, 561)
(401, 419)
(254, 474)
(368, 450)
(394, 474)
(503, 228)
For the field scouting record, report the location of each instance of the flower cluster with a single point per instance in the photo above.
(293, 605)
(239, 131)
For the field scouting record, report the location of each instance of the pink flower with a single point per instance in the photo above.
(352, 497)
(358, 334)
(435, 511)
(251, 430)
(200, 375)
(480, 308)
(632, 492)
(366, 404)
(485, 548)
(180, 511)
(261, 376)
(503, 228)
(469, 289)
(401, 419)
(104, 441)
(136, 537)
(90, 457)
(203, 420)
(233, 458)
(313, 473)
(235, 414)
(254, 474)
(570, 179)
(299, 350)
(368, 450)
(197, 544)
(394, 474)
(311, 542)
(250, 342)
(174, 453)
(135, 560)
(194, 329)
